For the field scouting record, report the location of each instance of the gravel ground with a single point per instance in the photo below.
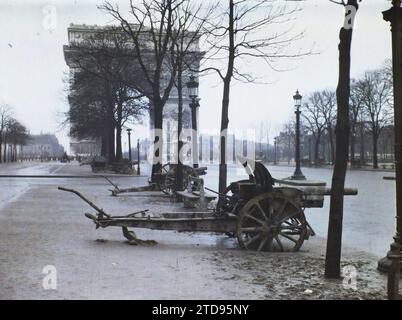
(43, 226)
(301, 275)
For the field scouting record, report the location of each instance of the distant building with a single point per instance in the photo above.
(42, 146)
(85, 148)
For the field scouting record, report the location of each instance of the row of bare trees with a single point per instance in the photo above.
(12, 134)
(371, 109)
(370, 120)
(319, 114)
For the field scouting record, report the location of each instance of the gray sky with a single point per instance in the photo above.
(32, 65)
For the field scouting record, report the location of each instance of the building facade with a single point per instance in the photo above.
(42, 146)
(85, 148)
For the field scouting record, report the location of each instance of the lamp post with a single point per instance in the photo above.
(297, 175)
(275, 150)
(138, 157)
(193, 86)
(393, 260)
(129, 144)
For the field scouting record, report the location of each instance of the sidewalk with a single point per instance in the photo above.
(330, 167)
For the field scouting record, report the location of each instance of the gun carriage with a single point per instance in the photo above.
(263, 213)
(165, 180)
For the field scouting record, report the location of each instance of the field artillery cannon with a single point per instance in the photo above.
(166, 180)
(264, 214)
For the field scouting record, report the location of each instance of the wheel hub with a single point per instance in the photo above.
(270, 229)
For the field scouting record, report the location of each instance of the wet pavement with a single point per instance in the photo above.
(41, 226)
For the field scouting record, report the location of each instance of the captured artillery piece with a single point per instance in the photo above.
(265, 214)
(166, 180)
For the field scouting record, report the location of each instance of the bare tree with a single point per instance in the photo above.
(242, 32)
(287, 139)
(356, 107)
(315, 120)
(188, 28)
(17, 136)
(334, 239)
(263, 138)
(375, 91)
(5, 115)
(328, 109)
(130, 107)
(150, 27)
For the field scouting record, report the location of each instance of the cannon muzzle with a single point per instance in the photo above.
(346, 192)
(322, 191)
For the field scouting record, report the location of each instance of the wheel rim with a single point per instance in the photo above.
(168, 185)
(228, 204)
(168, 174)
(271, 222)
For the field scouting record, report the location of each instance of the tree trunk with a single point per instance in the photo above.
(332, 144)
(111, 139)
(317, 149)
(5, 151)
(119, 149)
(158, 140)
(223, 138)
(225, 101)
(362, 147)
(1, 143)
(375, 150)
(104, 146)
(179, 171)
(352, 147)
(110, 124)
(334, 240)
(111, 132)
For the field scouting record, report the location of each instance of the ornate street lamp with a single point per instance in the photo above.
(192, 86)
(129, 144)
(298, 175)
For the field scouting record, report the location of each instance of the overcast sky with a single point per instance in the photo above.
(32, 64)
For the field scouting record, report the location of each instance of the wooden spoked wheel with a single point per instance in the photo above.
(229, 200)
(271, 222)
(168, 181)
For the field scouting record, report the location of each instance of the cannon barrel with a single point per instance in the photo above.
(346, 192)
(322, 191)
